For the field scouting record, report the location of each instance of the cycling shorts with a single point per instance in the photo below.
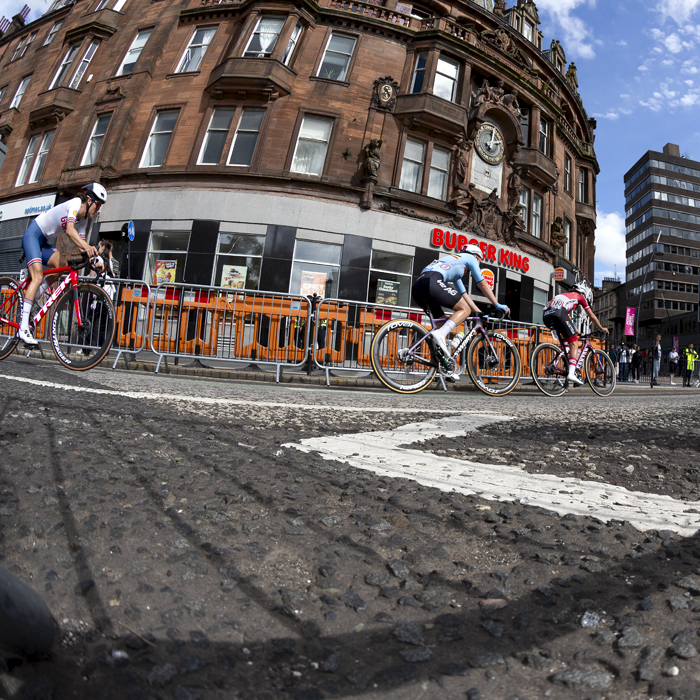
(559, 321)
(36, 247)
(431, 293)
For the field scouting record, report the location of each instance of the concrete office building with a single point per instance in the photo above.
(317, 145)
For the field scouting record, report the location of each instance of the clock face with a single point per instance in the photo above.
(489, 144)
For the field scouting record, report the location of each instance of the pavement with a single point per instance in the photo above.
(200, 537)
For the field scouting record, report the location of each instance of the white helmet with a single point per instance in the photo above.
(96, 192)
(584, 290)
(472, 250)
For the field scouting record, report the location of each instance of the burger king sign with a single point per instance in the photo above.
(488, 277)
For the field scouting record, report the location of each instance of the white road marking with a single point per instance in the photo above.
(381, 452)
(224, 402)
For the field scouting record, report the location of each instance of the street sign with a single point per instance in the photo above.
(131, 232)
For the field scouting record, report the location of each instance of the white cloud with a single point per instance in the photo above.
(578, 37)
(622, 42)
(610, 246)
(688, 68)
(678, 10)
(612, 114)
(672, 42)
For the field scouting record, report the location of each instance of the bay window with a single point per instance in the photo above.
(264, 37)
(446, 76)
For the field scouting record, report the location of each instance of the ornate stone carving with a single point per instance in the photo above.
(572, 76)
(499, 8)
(386, 90)
(510, 101)
(495, 95)
(461, 151)
(370, 170)
(111, 94)
(515, 187)
(512, 224)
(501, 39)
(557, 235)
(47, 118)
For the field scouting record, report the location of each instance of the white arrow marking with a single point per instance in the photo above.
(381, 453)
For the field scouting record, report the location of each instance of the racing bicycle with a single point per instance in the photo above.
(81, 328)
(549, 366)
(405, 359)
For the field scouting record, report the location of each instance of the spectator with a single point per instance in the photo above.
(613, 356)
(656, 361)
(689, 357)
(623, 363)
(673, 364)
(636, 363)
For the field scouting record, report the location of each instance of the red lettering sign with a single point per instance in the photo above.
(491, 253)
(526, 264)
(450, 240)
(438, 237)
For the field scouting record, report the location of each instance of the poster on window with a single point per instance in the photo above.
(313, 283)
(234, 276)
(388, 292)
(165, 271)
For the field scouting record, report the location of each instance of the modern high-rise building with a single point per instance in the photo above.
(662, 215)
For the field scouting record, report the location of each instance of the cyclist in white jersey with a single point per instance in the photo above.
(556, 317)
(72, 218)
(432, 292)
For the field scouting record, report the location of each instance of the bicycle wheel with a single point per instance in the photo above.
(82, 346)
(11, 301)
(493, 366)
(401, 357)
(600, 373)
(549, 368)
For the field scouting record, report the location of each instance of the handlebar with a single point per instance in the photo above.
(82, 262)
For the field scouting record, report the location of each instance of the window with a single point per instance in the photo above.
(3, 90)
(65, 65)
(18, 48)
(215, 139)
(21, 48)
(238, 261)
(41, 156)
(101, 5)
(194, 53)
(412, 167)
(528, 30)
(536, 216)
(567, 233)
(544, 136)
(264, 37)
(167, 255)
(336, 57)
(289, 51)
(20, 91)
(52, 33)
(315, 269)
(582, 185)
(446, 79)
(159, 139)
(419, 72)
(312, 145)
(82, 66)
(246, 138)
(540, 298)
(132, 55)
(390, 278)
(567, 173)
(26, 161)
(95, 141)
(525, 207)
(32, 36)
(525, 125)
(119, 5)
(439, 169)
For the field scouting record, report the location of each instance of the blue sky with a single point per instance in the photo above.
(639, 75)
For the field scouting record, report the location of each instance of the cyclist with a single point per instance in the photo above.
(556, 317)
(72, 218)
(431, 291)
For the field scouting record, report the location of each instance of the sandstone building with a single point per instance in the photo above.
(318, 145)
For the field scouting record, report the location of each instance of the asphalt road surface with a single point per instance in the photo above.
(210, 539)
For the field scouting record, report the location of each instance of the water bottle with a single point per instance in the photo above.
(454, 344)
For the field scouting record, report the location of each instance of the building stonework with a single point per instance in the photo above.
(275, 141)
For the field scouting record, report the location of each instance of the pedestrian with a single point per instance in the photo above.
(623, 363)
(636, 363)
(673, 364)
(613, 357)
(656, 361)
(689, 357)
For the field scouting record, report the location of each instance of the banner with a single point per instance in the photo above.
(387, 292)
(313, 283)
(630, 315)
(233, 276)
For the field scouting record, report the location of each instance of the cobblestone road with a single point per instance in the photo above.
(206, 539)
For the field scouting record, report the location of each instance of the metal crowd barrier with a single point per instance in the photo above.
(218, 323)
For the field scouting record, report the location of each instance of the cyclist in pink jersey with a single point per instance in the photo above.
(72, 218)
(556, 317)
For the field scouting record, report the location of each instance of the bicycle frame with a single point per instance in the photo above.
(70, 280)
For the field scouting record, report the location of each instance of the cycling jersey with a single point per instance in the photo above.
(569, 301)
(452, 268)
(54, 222)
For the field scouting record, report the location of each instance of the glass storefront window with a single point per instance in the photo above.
(390, 279)
(315, 269)
(167, 255)
(539, 300)
(238, 261)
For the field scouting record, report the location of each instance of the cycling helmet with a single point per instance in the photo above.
(472, 250)
(584, 290)
(96, 192)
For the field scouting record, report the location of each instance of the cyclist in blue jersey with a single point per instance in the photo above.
(431, 290)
